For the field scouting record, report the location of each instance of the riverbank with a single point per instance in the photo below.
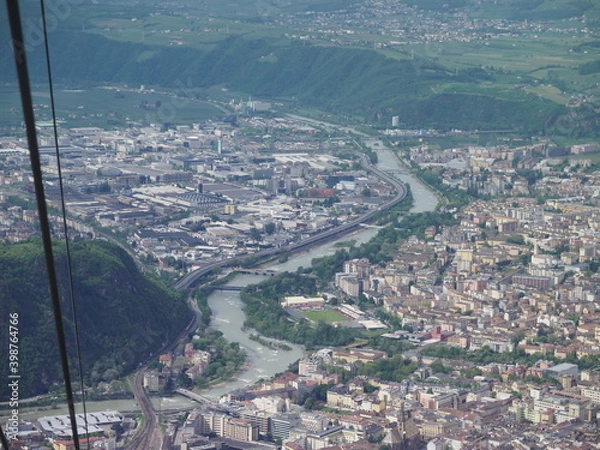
(270, 344)
(262, 362)
(227, 307)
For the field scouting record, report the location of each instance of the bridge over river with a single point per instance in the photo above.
(264, 272)
(228, 288)
(261, 272)
(401, 190)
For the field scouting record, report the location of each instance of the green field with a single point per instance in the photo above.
(326, 315)
(514, 78)
(163, 29)
(547, 64)
(107, 107)
(593, 157)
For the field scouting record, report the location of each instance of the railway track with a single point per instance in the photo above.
(148, 436)
(401, 190)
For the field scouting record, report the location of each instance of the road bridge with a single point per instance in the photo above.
(196, 397)
(264, 272)
(401, 190)
(228, 288)
(398, 172)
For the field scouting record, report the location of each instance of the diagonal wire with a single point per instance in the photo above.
(4, 440)
(19, 53)
(64, 221)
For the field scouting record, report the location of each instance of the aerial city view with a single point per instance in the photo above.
(300, 225)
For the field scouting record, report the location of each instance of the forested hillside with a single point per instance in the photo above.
(359, 83)
(123, 315)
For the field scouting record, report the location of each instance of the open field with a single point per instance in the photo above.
(457, 79)
(551, 93)
(163, 29)
(105, 107)
(545, 60)
(593, 157)
(326, 315)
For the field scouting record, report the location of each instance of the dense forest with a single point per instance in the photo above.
(123, 315)
(360, 83)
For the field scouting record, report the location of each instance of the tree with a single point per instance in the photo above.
(104, 188)
(518, 337)
(118, 429)
(309, 403)
(184, 381)
(516, 239)
(438, 367)
(368, 387)
(270, 228)
(155, 365)
(255, 234)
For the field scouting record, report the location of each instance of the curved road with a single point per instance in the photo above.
(149, 435)
(191, 278)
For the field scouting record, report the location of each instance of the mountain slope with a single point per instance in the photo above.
(123, 315)
(354, 82)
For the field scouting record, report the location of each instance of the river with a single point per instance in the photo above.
(226, 306)
(425, 199)
(227, 312)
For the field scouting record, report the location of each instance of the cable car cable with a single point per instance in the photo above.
(19, 53)
(64, 220)
(3, 439)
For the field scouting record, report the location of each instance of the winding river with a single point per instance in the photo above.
(226, 306)
(228, 316)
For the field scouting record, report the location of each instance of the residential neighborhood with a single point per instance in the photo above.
(493, 315)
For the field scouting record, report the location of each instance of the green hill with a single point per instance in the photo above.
(122, 314)
(357, 83)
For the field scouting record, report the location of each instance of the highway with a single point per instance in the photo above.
(192, 278)
(149, 435)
